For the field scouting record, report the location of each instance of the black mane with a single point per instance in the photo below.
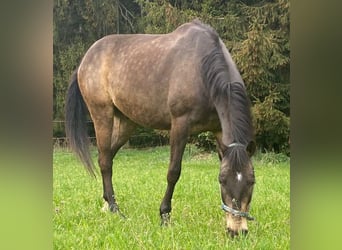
(224, 91)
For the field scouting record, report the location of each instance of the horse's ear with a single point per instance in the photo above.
(251, 148)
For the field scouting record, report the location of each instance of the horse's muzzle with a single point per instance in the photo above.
(233, 233)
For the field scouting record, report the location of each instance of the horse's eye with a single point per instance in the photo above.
(222, 179)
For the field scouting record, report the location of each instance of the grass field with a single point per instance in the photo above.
(139, 183)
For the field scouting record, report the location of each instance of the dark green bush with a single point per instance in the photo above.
(272, 126)
(145, 137)
(205, 141)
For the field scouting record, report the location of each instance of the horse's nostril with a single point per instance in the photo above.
(244, 232)
(231, 232)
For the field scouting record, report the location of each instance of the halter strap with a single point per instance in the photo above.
(237, 212)
(236, 144)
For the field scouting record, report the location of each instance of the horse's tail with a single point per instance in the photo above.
(75, 124)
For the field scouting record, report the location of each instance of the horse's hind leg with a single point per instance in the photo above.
(102, 116)
(121, 132)
(178, 139)
(111, 133)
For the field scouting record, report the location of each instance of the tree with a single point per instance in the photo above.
(264, 61)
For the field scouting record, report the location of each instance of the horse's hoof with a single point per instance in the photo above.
(114, 208)
(105, 207)
(165, 219)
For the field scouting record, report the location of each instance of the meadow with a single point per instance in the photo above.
(140, 181)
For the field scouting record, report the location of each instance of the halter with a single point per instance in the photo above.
(237, 212)
(232, 210)
(236, 144)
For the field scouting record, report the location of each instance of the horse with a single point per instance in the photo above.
(184, 81)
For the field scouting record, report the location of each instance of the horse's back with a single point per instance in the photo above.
(148, 78)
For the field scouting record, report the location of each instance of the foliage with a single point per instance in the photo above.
(272, 126)
(65, 60)
(271, 158)
(263, 59)
(205, 141)
(146, 137)
(255, 31)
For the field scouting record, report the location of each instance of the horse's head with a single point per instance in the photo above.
(237, 181)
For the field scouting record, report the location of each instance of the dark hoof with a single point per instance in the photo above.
(165, 220)
(114, 208)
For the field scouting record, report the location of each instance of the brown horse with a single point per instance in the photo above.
(185, 82)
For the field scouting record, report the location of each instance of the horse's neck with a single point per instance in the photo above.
(233, 70)
(223, 114)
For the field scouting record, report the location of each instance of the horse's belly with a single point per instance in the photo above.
(147, 112)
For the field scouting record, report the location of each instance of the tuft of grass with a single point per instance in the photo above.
(139, 177)
(271, 158)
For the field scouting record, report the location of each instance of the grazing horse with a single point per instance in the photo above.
(185, 82)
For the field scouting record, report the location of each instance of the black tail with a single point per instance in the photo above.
(76, 126)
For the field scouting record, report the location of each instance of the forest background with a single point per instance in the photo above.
(256, 32)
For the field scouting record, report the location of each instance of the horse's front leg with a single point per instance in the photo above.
(178, 139)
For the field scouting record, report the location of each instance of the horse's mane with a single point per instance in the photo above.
(223, 91)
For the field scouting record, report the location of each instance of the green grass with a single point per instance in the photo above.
(140, 182)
